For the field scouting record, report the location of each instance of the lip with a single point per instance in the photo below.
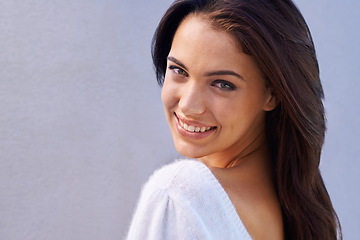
(192, 135)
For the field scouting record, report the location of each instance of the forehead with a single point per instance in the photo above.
(202, 47)
(197, 32)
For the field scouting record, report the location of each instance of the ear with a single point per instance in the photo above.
(271, 101)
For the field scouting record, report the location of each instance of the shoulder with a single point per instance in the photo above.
(168, 171)
(262, 214)
(164, 184)
(161, 212)
(164, 176)
(180, 178)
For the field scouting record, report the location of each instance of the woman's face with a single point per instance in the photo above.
(214, 95)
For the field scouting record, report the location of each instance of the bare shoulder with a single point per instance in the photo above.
(256, 204)
(261, 216)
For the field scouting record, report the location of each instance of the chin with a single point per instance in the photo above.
(188, 152)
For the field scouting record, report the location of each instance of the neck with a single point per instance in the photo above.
(256, 149)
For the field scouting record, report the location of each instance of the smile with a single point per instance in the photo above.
(191, 128)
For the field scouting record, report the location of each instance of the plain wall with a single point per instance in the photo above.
(82, 124)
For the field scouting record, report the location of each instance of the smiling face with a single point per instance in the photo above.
(214, 95)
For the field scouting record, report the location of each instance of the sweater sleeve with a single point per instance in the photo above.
(158, 216)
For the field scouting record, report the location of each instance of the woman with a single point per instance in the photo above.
(242, 95)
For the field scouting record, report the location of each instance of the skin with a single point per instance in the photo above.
(210, 83)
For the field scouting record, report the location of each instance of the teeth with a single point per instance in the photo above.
(191, 128)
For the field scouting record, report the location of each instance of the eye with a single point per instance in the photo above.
(178, 70)
(224, 85)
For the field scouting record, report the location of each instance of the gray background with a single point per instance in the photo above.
(81, 121)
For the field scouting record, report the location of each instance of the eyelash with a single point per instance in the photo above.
(221, 84)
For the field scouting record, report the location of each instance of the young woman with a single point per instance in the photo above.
(242, 94)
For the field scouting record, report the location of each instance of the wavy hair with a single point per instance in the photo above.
(275, 33)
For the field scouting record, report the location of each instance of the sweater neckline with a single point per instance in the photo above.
(223, 194)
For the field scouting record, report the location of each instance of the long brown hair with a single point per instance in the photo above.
(277, 36)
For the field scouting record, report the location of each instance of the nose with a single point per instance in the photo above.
(192, 100)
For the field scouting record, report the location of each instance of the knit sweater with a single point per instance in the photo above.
(184, 201)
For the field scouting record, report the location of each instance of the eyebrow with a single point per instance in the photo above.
(209, 74)
(224, 72)
(177, 62)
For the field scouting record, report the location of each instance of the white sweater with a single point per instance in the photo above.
(184, 201)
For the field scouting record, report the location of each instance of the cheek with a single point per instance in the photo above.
(168, 94)
(227, 109)
(234, 113)
(230, 120)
